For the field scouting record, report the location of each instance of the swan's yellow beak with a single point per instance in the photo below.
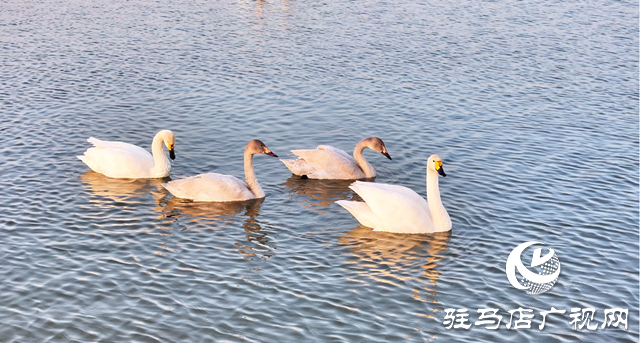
(439, 168)
(172, 153)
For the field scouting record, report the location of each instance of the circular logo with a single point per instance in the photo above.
(544, 273)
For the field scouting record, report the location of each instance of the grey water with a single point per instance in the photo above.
(532, 105)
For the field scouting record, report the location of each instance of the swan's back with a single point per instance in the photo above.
(98, 143)
(328, 162)
(210, 187)
(117, 159)
(337, 151)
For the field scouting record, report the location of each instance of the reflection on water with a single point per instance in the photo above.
(320, 193)
(121, 190)
(176, 207)
(389, 257)
(259, 243)
(221, 215)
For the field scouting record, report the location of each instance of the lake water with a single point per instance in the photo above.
(532, 105)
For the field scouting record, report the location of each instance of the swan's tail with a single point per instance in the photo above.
(171, 189)
(96, 142)
(360, 211)
(298, 166)
(86, 159)
(177, 188)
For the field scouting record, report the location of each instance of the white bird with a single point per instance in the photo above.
(399, 209)
(128, 161)
(219, 187)
(327, 162)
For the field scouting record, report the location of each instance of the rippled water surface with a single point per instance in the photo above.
(533, 106)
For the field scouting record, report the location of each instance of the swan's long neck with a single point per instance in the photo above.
(161, 166)
(439, 214)
(367, 168)
(250, 175)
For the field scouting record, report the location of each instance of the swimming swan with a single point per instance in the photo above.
(128, 161)
(219, 187)
(398, 209)
(327, 162)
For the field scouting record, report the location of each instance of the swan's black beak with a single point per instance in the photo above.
(270, 153)
(441, 170)
(172, 154)
(386, 154)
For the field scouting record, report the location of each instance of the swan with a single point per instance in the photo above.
(219, 187)
(128, 161)
(398, 209)
(327, 162)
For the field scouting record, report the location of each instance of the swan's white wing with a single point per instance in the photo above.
(117, 159)
(397, 211)
(330, 163)
(210, 187)
(298, 166)
(407, 192)
(360, 211)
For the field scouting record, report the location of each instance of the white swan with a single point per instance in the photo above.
(327, 162)
(219, 187)
(398, 209)
(128, 161)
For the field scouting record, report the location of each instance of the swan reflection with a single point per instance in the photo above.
(223, 214)
(121, 190)
(320, 193)
(176, 207)
(392, 258)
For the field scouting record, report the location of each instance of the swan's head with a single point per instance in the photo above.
(375, 143)
(435, 163)
(170, 141)
(257, 147)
